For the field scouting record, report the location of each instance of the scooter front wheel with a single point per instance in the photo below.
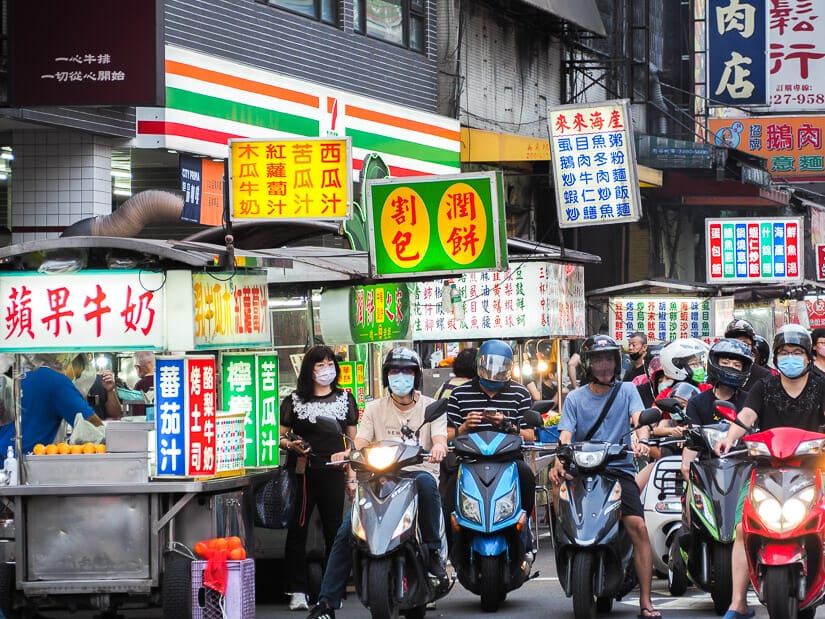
(492, 587)
(584, 600)
(677, 582)
(780, 592)
(381, 590)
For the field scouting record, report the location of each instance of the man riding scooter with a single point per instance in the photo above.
(795, 398)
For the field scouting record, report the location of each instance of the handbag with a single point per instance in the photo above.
(275, 500)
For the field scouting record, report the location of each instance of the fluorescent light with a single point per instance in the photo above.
(286, 302)
(121, 174)
(3, 176)
(7, 156)
(122, 192)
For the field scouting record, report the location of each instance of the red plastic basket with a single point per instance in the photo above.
(239, 602)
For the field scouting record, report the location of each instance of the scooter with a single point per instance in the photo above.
(594, 554)
(489, 524)
(703, 554)
(784, 521)
(388, 556)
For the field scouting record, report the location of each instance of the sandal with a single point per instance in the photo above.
(649, 613)
(734, 614)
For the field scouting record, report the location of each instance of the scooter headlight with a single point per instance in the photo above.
(590, 459)
(357, 528)
(407, 520)
(380, 457)
(506, 506)
(713, 436)
(470, 508)
(807, 448)
(780, 516)
(703, 507)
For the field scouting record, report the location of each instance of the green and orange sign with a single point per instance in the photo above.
(433, 225)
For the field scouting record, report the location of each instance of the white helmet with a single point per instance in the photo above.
(676, 355)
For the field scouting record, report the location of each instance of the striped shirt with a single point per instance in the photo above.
(514, 401)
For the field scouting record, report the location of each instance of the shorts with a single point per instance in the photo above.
(631, 498)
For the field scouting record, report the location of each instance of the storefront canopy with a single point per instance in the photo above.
(583, 13)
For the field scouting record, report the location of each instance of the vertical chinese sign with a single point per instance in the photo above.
(379, 313)
(249, 386)
(185, 405)
(436, 224)
(754, 250)
(594, 164)
(283, 179)
(351, 379)
(201, 181)
(231, 310)
(93, 310)
(661, 318)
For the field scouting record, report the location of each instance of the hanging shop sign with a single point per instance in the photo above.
(376, 313)
(754, 250)
(92, 310)
(249, 386)
(436, 224)
(816, 313)
(792, 146)
(668, 318)
(351, 378)
(820, 263)
(765, 52)
(185, 431)
(530, 299)
(594, 164)
(230, 310)
(201, 181)
(290, 179)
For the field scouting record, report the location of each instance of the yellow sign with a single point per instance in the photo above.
(283, 179)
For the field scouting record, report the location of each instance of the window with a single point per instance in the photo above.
(322, 10)
(401, 22)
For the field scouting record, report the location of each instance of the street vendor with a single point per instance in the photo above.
(48, 398)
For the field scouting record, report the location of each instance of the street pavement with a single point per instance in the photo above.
(540, 598)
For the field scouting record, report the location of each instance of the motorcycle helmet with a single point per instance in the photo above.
(731, 349)
(740, 328)
(601, 344)
(677, 355)
(400, 358)
(796, 335)
(495, 361)
(763, 350)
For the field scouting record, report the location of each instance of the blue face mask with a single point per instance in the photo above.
(491, 385)
(401, 384)
(792, 367)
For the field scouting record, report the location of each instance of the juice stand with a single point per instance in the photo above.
(103, 530)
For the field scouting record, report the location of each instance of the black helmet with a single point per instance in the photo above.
(731, 349)
(796, 335)
(597, 344)
(738, 328)
(763, 350)
(400, 358)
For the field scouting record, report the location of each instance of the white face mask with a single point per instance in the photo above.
(665, 384)
(325, 376)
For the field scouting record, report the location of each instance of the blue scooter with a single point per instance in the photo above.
(489, 524)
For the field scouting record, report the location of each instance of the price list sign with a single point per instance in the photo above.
(664, 319)
(754, 250)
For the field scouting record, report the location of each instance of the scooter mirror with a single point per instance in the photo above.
(726, 409)
(669, 405)
(533, 419)
(435, 410)
(649, 416)
(542, 406)
(328, 424)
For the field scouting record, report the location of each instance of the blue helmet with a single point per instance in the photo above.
(495, 361)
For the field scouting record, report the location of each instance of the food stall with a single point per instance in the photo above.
(106, 529)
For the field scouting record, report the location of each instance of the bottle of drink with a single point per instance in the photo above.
(10, 467)
(446, 297)
(458, 304)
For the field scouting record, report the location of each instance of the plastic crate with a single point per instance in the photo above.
(239, 602)
(549, 434)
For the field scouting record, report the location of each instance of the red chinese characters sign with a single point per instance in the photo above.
(200, 385)
(81, 311)
(283, 179)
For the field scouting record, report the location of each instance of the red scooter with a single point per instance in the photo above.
(784, 521)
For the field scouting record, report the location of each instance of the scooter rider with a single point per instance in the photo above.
(795, 398)
(383, 419)
(743, 331)
(729, 365)
(601, 357)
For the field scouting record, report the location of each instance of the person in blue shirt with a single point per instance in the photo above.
(48, 398)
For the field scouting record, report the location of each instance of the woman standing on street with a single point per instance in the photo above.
(308, 450)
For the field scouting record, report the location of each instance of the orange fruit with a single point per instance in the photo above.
(51, 450)
(89, 448)
(233, 542)
(237, 554)
(219, 543)
(202, 550)
(39, 449)
(63, 448)
(76, 449)
(100, 449)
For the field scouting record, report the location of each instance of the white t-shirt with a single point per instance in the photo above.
(382, 420)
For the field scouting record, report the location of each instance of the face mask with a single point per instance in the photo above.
(820, 350)
(665, 384)
(792, 367)
(325, 376)
(491, 385)
(698, 375)
(634, 356)
(401, 384)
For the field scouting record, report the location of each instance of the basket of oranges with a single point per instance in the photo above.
(86, 463)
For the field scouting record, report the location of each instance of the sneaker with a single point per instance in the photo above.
(435, 566)
(299, 601)
(322, 611)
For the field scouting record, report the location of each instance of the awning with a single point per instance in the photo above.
(583, 13)
(480, 146)
(652, 287)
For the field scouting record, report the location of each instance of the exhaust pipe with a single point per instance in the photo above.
(131, 217)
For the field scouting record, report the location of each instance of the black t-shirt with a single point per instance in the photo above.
(300, 415)
(777, 409)
(758, 372)
(701, 411)
(633, 372)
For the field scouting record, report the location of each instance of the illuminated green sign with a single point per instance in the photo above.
(379, 313)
